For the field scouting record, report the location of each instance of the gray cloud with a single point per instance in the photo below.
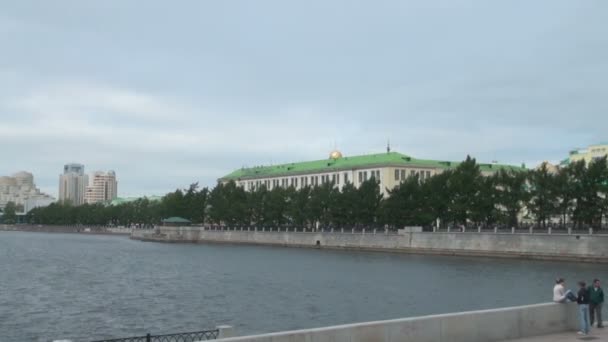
(171, 93)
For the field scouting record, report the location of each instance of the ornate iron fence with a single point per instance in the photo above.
(180, 337)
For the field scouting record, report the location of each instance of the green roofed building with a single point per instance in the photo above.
(389, 168)
(176, 221)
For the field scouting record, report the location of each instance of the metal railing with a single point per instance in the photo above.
(522, 229)
(179, 337)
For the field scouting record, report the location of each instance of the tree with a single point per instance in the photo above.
(369, 200)
(344, 206)
(577, 188)
(297, 200)
(593, 191)
(175, 204)
(464, 186)
(512, 194)
(543, 201)
(405, 205)
(228, 204)
(196, 203)
(484, 208)
(10, 213)
(275, 209)
(564, 193)
(438, 196)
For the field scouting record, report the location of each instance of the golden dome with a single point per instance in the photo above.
(335, 154)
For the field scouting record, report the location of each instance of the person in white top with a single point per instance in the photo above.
(560, 294)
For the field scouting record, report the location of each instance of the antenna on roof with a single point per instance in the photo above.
(388, 146)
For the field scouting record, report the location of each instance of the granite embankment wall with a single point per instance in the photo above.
(486, 325)
(588, 248)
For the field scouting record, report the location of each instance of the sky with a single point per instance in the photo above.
(168, 93)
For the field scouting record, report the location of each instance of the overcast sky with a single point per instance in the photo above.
(167, 93)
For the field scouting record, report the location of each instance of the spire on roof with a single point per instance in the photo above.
(388, 146)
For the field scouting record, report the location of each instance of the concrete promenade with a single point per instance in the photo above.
(596, 335)
(561, 247)
(502, 324)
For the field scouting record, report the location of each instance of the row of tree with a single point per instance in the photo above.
(575, 194)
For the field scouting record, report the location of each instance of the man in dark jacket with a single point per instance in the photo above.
(596, 298)
(583, 308)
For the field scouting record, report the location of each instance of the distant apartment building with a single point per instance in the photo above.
(587, 154)
(72, 184)
(21, 190)
(103, 188)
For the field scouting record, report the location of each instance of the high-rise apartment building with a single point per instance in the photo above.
(21, 190)
(103, 187)
(72, 184)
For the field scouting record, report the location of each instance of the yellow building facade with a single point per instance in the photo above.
(389, 169)
(588, 154)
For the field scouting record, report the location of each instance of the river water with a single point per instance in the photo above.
(86, 287)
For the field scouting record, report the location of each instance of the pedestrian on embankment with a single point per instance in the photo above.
(560, 294)
(596, 299)
(583, 308)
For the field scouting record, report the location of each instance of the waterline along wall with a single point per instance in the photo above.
(485, 325)
(581, 248)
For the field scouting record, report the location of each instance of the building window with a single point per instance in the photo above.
(412, 173)
(345, 177)
(396, 174)
(402, 174)
(333, 178)
(428, 174)
(364, 175)
(337, 178)
(378, 174)
(360, 177)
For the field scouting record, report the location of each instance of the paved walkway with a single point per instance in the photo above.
(596, 335)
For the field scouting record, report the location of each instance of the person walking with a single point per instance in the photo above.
(596, 299)
(583, 308)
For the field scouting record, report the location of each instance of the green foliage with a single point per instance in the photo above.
(461, 196)
(543, 195)
(9, 215)
(512, 195)
(463, 188)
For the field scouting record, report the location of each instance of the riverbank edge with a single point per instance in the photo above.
(60, 230)
(523, 255)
